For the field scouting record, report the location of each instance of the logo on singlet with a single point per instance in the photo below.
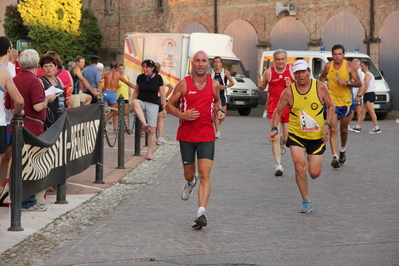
(192, 92)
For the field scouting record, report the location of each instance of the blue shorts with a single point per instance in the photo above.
(110, 97)
(344, 111)
(9, 136)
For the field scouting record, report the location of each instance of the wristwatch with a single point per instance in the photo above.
(349, 83)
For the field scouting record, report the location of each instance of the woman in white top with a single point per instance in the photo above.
(368, 93)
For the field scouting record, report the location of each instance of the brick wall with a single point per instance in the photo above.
(143, 16)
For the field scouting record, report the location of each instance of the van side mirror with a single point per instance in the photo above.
(247, 74)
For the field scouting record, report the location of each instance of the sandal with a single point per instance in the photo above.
(149, 157)
(146, 128)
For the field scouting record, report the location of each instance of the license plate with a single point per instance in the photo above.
(376, 106)
(239, 102)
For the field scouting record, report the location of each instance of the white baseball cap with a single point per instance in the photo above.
(100, 66)
(300, 65)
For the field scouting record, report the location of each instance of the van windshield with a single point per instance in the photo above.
(373, 69)
(235, 68)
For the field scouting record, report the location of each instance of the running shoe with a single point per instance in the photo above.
(355, 129)
(187, 190)
(218, 135)
(283, 149)
(306, 206)
(264, 115)
(200, 221)
(397, 121)
(35, 208)
(342, 158)
(279, 170)
(375, 131)
(335, 162)
(160, 141)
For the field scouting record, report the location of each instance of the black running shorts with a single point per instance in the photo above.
(313, 147)
(205, 150)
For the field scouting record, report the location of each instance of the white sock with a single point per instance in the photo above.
(192, 182)
(342, 149)
(201, 210)
(376, 127)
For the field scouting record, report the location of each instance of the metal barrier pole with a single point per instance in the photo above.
(61, 188)
(16, 174)
(100, 163)
(121, 126)
(137, 138)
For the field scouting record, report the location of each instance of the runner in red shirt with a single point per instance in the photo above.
(198, 98)
(278, 77)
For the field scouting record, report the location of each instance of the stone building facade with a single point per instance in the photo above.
(116, 17)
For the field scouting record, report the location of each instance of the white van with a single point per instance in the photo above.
(317, 59)
(174, 51)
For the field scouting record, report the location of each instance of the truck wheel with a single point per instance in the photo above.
(382, 116)
(244, 111)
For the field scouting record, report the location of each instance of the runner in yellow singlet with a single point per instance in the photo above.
(307, 131)
(339, 73)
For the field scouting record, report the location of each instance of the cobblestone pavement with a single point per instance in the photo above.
(253, 215)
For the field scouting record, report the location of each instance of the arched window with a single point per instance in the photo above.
(344, 29)
(289, 34)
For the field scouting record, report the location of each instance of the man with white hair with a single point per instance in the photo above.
(35, 106)
(277, 78)
(307, 131)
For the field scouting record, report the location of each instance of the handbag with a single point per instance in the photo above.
(50, 118)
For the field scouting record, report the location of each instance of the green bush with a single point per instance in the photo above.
(14, 27)
(68, 46)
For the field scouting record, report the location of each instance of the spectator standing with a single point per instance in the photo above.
(7, 87)
(145, 99)
(78, 82)
(126, 91)
(111, 83)
(162, 112)
(92, 75)
(48, 80)
(35, 106)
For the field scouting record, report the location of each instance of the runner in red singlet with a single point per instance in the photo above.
(198, 99)
(278, 77)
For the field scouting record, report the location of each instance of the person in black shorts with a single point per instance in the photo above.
(307, 132)
(221, 75)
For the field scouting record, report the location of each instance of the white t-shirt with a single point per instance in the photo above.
(11, 68)
(361, 76)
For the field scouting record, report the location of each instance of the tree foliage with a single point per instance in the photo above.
(50, 36)
(14, 27)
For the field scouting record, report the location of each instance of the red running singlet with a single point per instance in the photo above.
(201, 129)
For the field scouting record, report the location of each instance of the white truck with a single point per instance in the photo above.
(174, 51)
(317, 59)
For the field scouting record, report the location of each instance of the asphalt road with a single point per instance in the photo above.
(253, 215)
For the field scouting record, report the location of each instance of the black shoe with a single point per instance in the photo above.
(335, 162)
(342, 158)
(200, 221)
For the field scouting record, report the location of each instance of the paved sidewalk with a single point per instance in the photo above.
(80, 188)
